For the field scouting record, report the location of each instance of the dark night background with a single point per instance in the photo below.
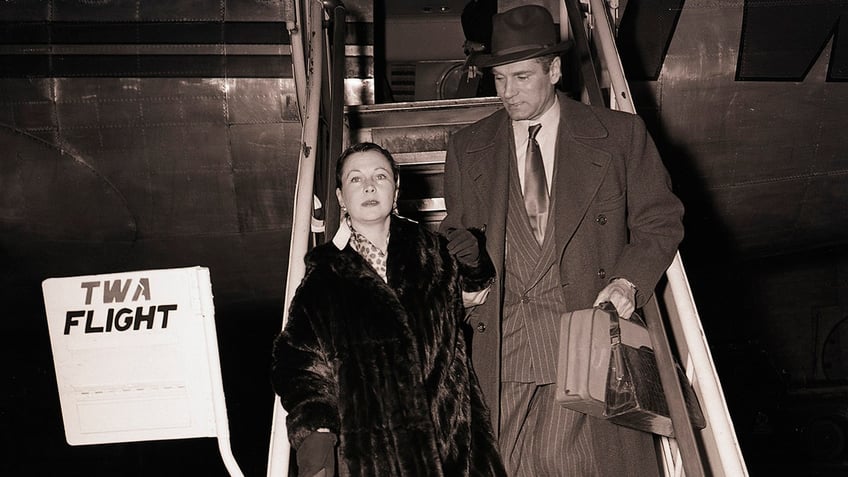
(136, 135)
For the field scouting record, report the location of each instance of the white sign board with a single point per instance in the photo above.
(136, 355)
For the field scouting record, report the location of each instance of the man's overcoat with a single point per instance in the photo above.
(615, 216)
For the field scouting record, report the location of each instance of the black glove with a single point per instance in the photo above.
(464, 246)
(316, 452)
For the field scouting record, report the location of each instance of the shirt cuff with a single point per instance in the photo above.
(470, 299)
(627, 282)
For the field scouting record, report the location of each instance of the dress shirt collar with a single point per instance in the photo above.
(342, 237)
(549, 121)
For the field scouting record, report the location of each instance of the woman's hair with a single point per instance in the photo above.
(364, 147)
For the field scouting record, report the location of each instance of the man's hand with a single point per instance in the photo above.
(464, 246)
(622, 294)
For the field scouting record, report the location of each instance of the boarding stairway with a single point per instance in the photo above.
(417, 133)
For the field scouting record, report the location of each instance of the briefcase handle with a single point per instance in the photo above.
(617, 366)
(615, 327)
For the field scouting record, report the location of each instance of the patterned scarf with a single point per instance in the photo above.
(370, 252)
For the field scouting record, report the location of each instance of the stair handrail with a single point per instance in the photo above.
(298, 61)
(336, 73)
(280, 450)
(678, 293)
(712, 399)
(591, 89)
(620, 99)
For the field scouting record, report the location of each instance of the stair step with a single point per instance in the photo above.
(420, 126)
(421, 113)
(414, 139)
(423, 157)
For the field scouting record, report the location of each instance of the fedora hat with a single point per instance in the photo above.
(520, 34)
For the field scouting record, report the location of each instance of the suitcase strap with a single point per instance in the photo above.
(617, 366)
(615, 327)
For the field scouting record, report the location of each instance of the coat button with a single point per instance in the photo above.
(601, 219)
(481, 327)
(602, 273)
(525, 299)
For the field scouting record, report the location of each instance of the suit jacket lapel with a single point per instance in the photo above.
(489, 168)
(579, 170)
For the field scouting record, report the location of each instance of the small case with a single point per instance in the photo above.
(584, 354)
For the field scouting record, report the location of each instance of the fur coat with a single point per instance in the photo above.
(385, 366)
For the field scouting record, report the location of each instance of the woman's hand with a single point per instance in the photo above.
(316, 453)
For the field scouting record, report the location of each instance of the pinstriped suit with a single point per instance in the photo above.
(530, 310)
(614, 216)
(532, 423)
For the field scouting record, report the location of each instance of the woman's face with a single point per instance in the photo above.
(368, 188)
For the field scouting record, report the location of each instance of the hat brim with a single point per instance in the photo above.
(489, 60)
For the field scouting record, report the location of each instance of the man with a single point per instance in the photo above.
(594, 221)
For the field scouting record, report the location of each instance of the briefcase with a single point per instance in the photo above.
(628, 391)
(584, 357)
(634, 395)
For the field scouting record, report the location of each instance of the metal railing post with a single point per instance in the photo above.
(280, 449)
(336, 120)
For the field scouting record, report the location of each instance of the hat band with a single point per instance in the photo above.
(520, 48)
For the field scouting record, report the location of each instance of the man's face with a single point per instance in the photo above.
(526, 90)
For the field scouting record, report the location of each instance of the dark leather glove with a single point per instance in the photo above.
(464, 246)
(316, 452)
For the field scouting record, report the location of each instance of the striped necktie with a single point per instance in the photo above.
(536, 198)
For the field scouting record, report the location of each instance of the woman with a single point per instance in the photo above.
(373, 351)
